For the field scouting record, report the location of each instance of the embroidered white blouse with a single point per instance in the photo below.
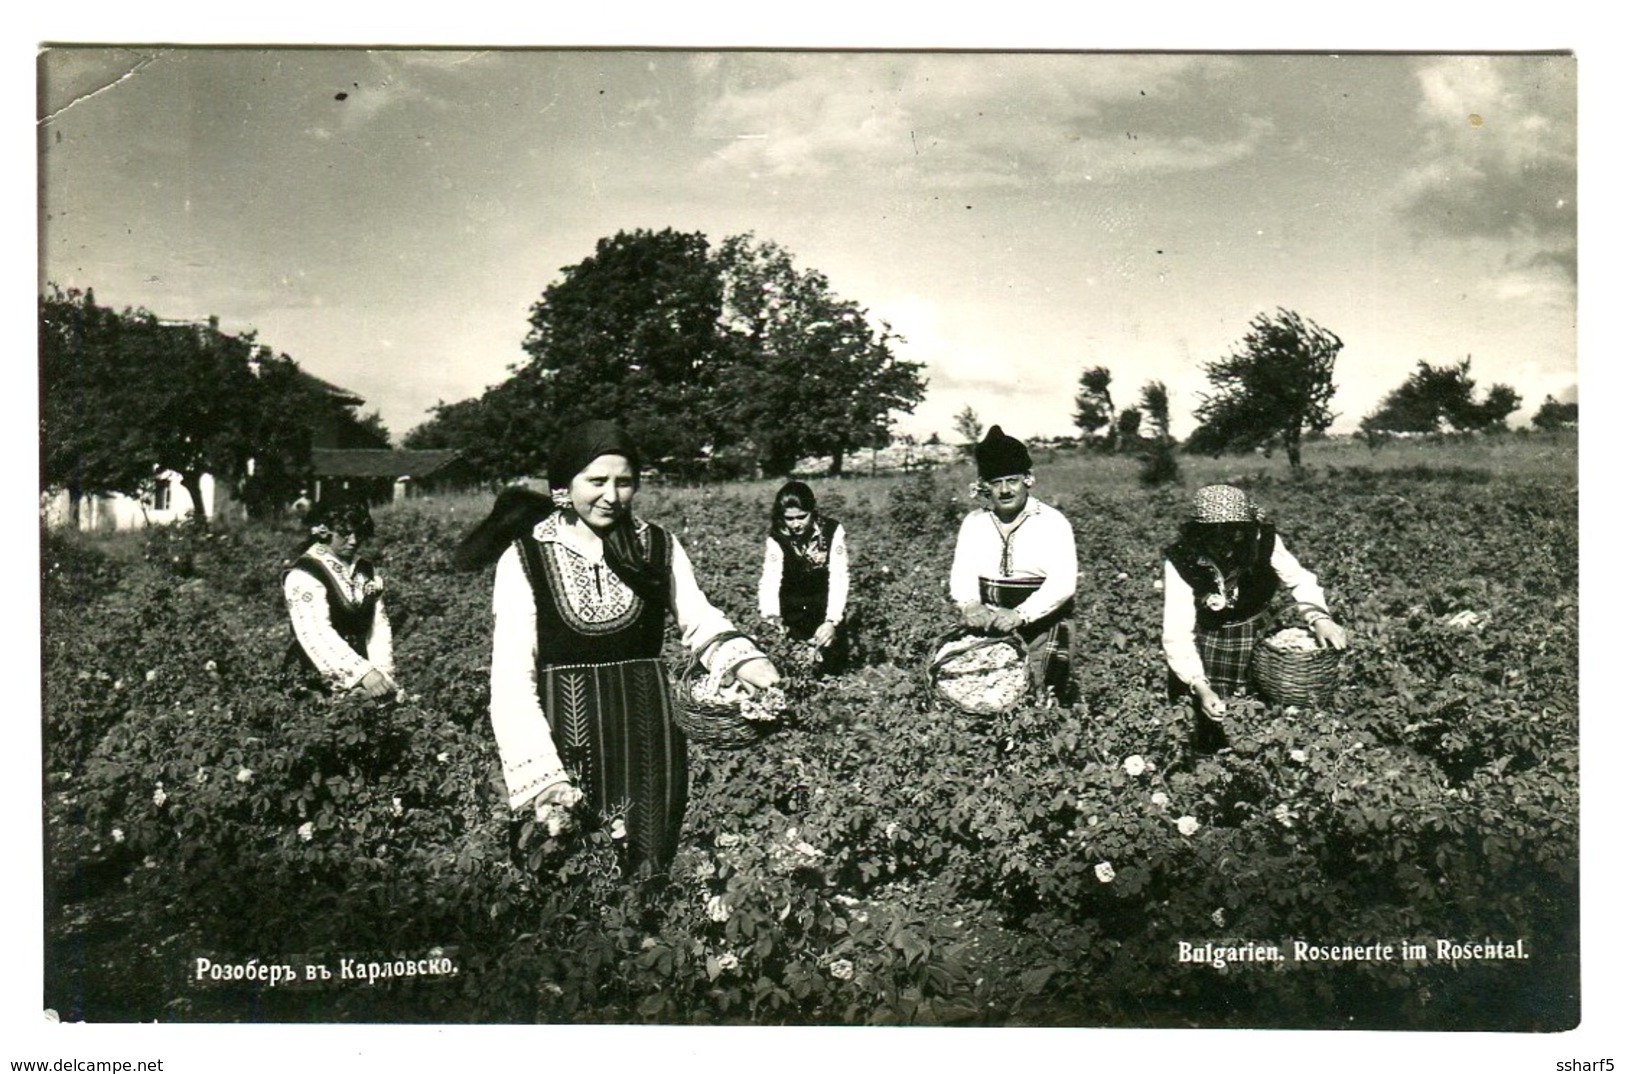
(1037, 544)
(341, 666)
(530, 760)
(840, 580)
(1179, 609)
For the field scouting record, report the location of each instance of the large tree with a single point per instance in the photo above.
(696, 351)
(1434, 395)
(631, 332)
(1271, 389)
(808, 374)
(126, 394)
(84, 448)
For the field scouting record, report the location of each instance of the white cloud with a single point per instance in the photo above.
(959, 120)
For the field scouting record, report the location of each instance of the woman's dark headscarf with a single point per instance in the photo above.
(517, 510)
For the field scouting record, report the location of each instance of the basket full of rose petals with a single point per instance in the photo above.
(1290, 665)
(979, 674)
(714, 708)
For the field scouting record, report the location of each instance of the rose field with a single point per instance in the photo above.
(221, 850)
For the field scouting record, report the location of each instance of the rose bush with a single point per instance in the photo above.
(874, 858)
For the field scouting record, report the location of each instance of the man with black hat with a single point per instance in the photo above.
(1015, 566)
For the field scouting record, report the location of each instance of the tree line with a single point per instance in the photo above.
(1274, 390)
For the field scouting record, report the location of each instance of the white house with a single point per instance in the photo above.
(167, 501)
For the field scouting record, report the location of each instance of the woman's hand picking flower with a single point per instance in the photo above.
(824, 635)
(1212, 704)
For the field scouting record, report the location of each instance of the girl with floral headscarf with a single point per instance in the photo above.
(805, 579)
(336, 607)
(1219, 577)
(581, 702)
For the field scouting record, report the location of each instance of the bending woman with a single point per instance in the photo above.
(335, 604)
(1219, 577)
(579, 693)
(805, 577)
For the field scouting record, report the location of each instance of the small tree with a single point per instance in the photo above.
(1433, 395)
(968, 425)
(1268, 392)
(1161, 466)
(1094, 407)
(1555, 415)
(1128, 428)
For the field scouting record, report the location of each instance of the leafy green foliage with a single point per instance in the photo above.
(1268, 392)
(699, 352)
(1435, 394)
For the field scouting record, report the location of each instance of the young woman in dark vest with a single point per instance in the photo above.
(1219, 578)
(335, 603)
(580, 698)
(805, 577)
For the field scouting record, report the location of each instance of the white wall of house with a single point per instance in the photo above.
(168, 502)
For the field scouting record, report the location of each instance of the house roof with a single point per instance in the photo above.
(342, 396)
(379, 462)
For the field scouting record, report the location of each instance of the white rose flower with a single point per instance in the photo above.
(245, 775)
(118, 835)
(152, 675)
(442, 756)
(395, 807)
(1218, 917)
(841, 969)
(1159, 800)
(1187, 825)
(1215, 602)
(717, 909)
(1105, 873)
(1298, 755)
(617, 829)
(1134, 765)
(728, 839)
(159, 797)
(1283, 815)
(307, 831)
(729, 961)
(807, 849)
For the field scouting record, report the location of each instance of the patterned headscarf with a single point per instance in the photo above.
(1224, 503)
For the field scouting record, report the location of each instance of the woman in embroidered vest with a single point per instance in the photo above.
(1218, 580)
(805, 579)
(579, 693)
(1015, 566)
(335, 604)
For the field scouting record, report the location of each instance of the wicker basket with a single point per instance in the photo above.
(1294, 676)
(979, 674)
(716, 723)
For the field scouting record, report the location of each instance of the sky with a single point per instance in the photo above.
(388, 216)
